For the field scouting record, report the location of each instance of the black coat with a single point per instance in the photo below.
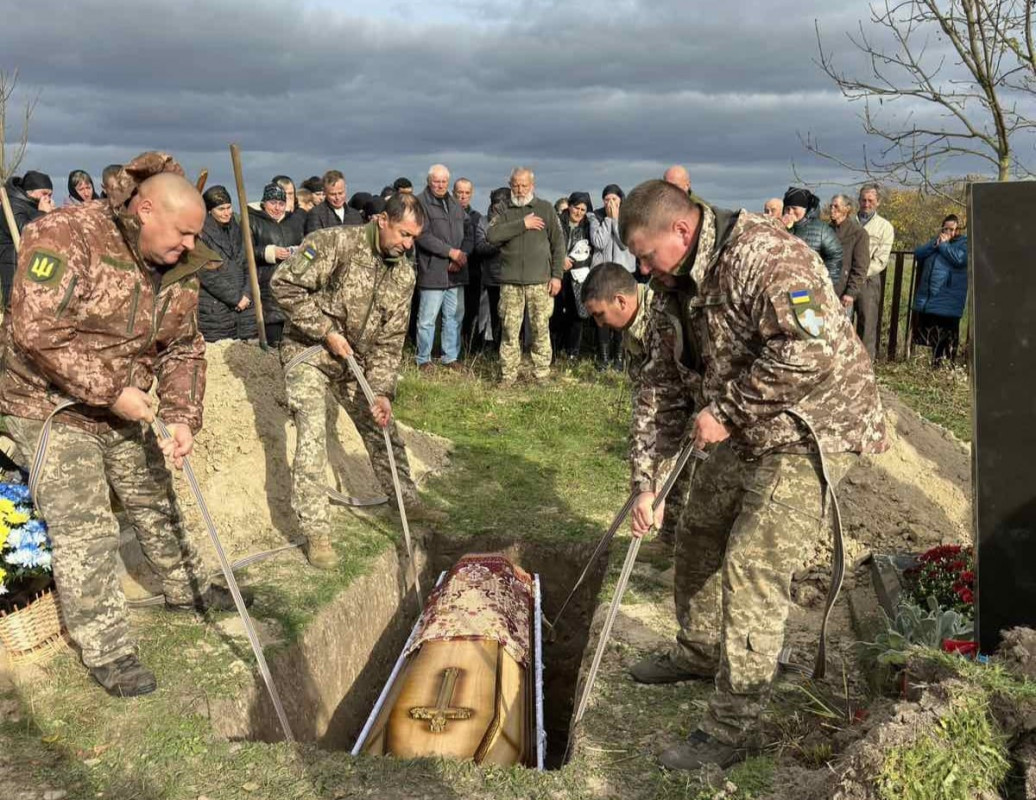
(323, 216)
(268, 232)
(25, 209)
(443, 231)
(222, 288)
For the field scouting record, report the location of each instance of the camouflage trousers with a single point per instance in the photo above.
(514, 299)
(307, 389)
(746, 528)
(74, 500)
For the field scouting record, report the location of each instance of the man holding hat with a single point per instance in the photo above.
(31, 196)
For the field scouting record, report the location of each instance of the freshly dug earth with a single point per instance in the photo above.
(243, 455)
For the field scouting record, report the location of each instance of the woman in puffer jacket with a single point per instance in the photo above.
(804, 209)
(942, 290)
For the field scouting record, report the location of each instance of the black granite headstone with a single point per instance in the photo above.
(1002, 250)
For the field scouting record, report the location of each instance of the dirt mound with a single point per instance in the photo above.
(1017, 652)
(243, 455)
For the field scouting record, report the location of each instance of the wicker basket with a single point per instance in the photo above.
(32, 633)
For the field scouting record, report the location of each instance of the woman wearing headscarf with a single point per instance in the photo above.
(567, 322)
(80, 188)
(609, 247)
(802, 207)
(274, 237)
(225, 299)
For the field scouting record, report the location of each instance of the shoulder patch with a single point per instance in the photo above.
(807, 311)
(127, 266)
(309, 253)
(46, 266)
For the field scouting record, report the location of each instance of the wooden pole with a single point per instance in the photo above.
(203, 178)
(246, 232)
(9, 217)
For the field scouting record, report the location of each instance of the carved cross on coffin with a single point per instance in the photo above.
(439, 714)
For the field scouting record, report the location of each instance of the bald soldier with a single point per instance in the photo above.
(348, 291)
(678, 176)
(104, 306)
(787, 394)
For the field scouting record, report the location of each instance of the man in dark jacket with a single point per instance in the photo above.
(442, 270)
(333, 211)
(478, 249)
(225, 291)
(532, 253)
(804, 209)
(31, 197)
(856, 250)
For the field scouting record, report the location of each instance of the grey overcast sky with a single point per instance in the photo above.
(585, 93)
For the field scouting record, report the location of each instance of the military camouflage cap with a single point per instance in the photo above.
(129, 178)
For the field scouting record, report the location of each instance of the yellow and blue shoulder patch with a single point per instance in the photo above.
(46, 266)
(309, 253)
(808, 314)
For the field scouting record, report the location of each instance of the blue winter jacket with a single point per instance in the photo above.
(943, 288)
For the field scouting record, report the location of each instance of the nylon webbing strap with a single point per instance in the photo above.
(601, 547)
(334, 494)
(624, 577)
(369, 394)
(838, 555)
(40, 456)
(228, 574)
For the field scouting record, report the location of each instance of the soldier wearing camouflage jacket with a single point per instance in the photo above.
(353, 285)
(104, 306)
(781, 373)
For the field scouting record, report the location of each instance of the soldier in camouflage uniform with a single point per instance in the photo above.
(105, 302)
(532, 258)
(782, 373)
(349, 290)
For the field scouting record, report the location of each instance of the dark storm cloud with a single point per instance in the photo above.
(588, 93)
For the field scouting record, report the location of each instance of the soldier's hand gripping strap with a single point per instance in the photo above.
(838, 547)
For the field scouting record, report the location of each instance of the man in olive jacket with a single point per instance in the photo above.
(532, 250)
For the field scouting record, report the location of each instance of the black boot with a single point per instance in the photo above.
(604, 349)
(125, 677)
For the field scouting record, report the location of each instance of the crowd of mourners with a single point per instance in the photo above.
(460, 268)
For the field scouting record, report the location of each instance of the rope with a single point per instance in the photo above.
(620, 586)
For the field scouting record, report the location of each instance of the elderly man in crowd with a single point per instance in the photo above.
(881, 235)
(773, 208)
(855, 250)
(442, 270)
(532, 252)
(678, 176)
(333, 211)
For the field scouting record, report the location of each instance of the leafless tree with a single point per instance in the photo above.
(962, 72)
(12, 153)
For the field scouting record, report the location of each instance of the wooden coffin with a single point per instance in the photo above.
(467, 685)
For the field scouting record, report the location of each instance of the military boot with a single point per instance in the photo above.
(215, 598)
(320, 552)
(666, 667)
(125, 677)
(699, 750)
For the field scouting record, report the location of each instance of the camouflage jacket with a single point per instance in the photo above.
(771, 343)
(89, 317)
(665, 390)
(339, 282)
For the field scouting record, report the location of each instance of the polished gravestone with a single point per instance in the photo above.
(1002, 226)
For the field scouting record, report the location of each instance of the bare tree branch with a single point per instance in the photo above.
(11, 157)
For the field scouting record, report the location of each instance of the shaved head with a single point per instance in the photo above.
(171, 213)
(678, 176)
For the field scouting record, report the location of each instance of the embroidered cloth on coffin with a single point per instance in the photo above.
(482, 597)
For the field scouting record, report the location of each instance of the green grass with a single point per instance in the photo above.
(940, 395)
(964, 756)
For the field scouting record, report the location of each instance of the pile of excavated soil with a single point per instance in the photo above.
(242, 457)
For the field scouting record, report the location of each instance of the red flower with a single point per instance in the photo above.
(965, 647)
(968, 577)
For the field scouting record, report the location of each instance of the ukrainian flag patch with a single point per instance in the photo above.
(801, 297)
(309, 253)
